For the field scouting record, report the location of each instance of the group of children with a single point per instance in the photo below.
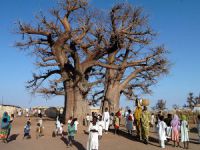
(39, 128)
(171, 129)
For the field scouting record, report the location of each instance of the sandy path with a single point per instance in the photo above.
(109, 141)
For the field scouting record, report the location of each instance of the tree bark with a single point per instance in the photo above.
(81, 107)
(112, 98)
(69, 101)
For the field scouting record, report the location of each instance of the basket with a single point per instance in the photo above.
(145, 102)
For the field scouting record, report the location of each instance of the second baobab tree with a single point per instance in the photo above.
(136, 64)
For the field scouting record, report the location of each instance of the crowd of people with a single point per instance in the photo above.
(173, 127)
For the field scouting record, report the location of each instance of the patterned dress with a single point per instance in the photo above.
(145, 119)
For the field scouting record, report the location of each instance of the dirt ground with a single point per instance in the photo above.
(108, 142)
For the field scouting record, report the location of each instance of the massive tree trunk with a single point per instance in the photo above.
(112, 91)
(80, 106)
(74, 104)
(112, 97)
(69, 101)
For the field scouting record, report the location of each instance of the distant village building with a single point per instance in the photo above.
(11, 109)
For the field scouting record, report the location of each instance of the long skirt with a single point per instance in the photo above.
(3, 134)
(184, 135)
(175, 135)
(93, 141)
(145, 133)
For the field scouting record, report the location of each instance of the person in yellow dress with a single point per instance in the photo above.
(137, 117)
(145, 121)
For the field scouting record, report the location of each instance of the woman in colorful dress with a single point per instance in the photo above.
(5, 127)
(175, 123)
(145, 120)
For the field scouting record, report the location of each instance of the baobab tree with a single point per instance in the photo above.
(135, 65)
(67, 46)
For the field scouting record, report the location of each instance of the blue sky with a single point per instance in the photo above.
(176, 21)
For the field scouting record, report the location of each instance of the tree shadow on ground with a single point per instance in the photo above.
(194, 141)
(78, 145)
(194, 130)
(13, 137)
(124, 134)
(133, 137)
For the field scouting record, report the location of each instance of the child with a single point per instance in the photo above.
(58, 127)
(76, 124)
(101, 126)
(93, 142)
(71, 132)
(27, 129)
(87, 120)
(152, 122)
(111, 120)
(129, 122)
(198, 126)
(175, 123)
(61, 129)
(184, 132)
(169, 129)
(116, 123)
(39, 130)
(161, 132)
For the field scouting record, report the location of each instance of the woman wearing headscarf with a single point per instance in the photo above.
(137, 119)
(184, 132)
(175, 123)
(145, 120)
(5, 127)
